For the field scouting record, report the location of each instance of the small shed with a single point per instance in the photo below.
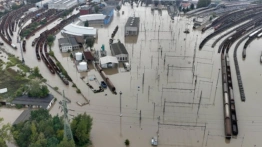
(132, 26)
(119, 51)
(108, 62)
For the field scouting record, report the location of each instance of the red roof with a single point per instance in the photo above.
(88, 55)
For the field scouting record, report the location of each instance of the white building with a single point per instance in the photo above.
(68, 44)
(42, 3)
(76, 30)
(62, 4)
(119, 51)
(108, 62)
(132, 26)
(93, 18)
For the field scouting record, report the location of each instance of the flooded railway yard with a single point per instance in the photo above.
(175, 86)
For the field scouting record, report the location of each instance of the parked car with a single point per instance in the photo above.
(103, 84)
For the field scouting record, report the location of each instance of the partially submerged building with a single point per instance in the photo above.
(68, 44)
(33, 102)
(119, 51)
(93, 18)
(108, 62)
(132, 26)
(88, 56)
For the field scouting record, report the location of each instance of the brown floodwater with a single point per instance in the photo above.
(166, 86)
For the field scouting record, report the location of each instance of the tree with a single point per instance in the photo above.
(4, 133)
(50, 40)
(39, 131)
(66, 143)
(127, 142)
(37, 90)
(203, 3)
(90, 42)
(192, 6)
(96, 9)
(86, 24)
(118, 7)
(81, 127)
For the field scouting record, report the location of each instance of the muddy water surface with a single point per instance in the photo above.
(161, 58)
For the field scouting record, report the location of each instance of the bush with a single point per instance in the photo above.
(74, 85)
(55, 99)
(78, 91)
(127, 142)
(56, 88)
(18, 106)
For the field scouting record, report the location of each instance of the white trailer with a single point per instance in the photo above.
(13, 45)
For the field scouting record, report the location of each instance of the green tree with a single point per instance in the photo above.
(90, 42)
(66, 143)
(50, 40)
(127, 142)
(39, 131)
(192, 6)
(86, 24)
(81, 127)
(118, 7)
(37, 90)
(4, 133)
(96, 9)
(203, 3)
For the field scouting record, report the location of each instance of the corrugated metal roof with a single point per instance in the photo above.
(108, 59)
(118, 48)
(79, 30)
(4, 90)
(91, 17)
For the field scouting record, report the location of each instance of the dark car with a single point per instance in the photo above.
(103, 84)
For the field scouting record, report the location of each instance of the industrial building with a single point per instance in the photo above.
(62, 4)
(93, 18)
(68, 44)
(75, 30)
(119, 51)
(132, 26)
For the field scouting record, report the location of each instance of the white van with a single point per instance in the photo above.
(13, 45)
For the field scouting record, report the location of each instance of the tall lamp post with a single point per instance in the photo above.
(137, 97)
(120, 104)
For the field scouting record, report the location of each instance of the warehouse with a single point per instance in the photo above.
(119, 51)
(68, 44)
(75, 30)
(62, 4)
(93, 18)
(132, 26)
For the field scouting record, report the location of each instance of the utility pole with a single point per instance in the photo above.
(137, 97)
(140, 115)
(164, 106)
(67, 129)
(158, 123)
(120, 104)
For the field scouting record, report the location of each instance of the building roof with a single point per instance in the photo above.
(118, 48)
(88, 55)
(25, 115)
(90, 17)
(108, 59)
(85, 7)
(133, 22)
(79, 39)
(25, 100)
(70, 41)
(73, 29)
(107, 10)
